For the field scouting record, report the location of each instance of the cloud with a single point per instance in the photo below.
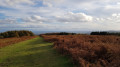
(74, 17)
(34, 19)
(8, 21)
(61, 14)
(66, 18)
(8, 3)
(114, 18)
(47, 3)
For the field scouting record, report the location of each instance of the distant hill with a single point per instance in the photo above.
(43, 32)
(114, 31)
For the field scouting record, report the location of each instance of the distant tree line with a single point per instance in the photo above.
(60, 33)
(105, 33)
(16, 33)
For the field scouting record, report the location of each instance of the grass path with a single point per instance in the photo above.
(32, 53)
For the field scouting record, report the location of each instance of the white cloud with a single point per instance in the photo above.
(117, 15)
(114, 18)
(8, 21)
(66, 18)
(74, 17)
(34, 19)
(102, 14)
(114, 14)
(47, 3)
(118, 3)
(8, 3)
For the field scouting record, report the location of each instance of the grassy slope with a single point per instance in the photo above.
(32, 53)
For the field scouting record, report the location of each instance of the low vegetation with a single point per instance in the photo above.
(88, 50)
(8, 41)
(16, 33)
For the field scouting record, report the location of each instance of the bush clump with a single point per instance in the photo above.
(16, 33)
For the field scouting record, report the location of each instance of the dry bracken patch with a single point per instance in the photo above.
(88, 50)
(8, 41)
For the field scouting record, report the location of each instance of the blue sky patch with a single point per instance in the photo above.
(19, 20)
(2, 16)
(39, 4)
(6, 8)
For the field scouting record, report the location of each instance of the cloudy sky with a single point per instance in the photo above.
(59, 15)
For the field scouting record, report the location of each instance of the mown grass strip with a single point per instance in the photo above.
(32, 53)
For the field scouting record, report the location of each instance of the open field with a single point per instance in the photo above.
(13, 40)
(88, 50)
(32, 53)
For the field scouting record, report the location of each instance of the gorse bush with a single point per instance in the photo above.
(88, 50)
(16, 33)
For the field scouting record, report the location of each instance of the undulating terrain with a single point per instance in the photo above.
(59, 33)
(58, 50)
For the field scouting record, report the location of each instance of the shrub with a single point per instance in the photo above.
(16, 33)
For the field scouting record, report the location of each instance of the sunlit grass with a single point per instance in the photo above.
(32, 53)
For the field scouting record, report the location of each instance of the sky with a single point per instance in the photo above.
(60, 15)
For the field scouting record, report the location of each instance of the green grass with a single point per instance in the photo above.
(32, 53)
